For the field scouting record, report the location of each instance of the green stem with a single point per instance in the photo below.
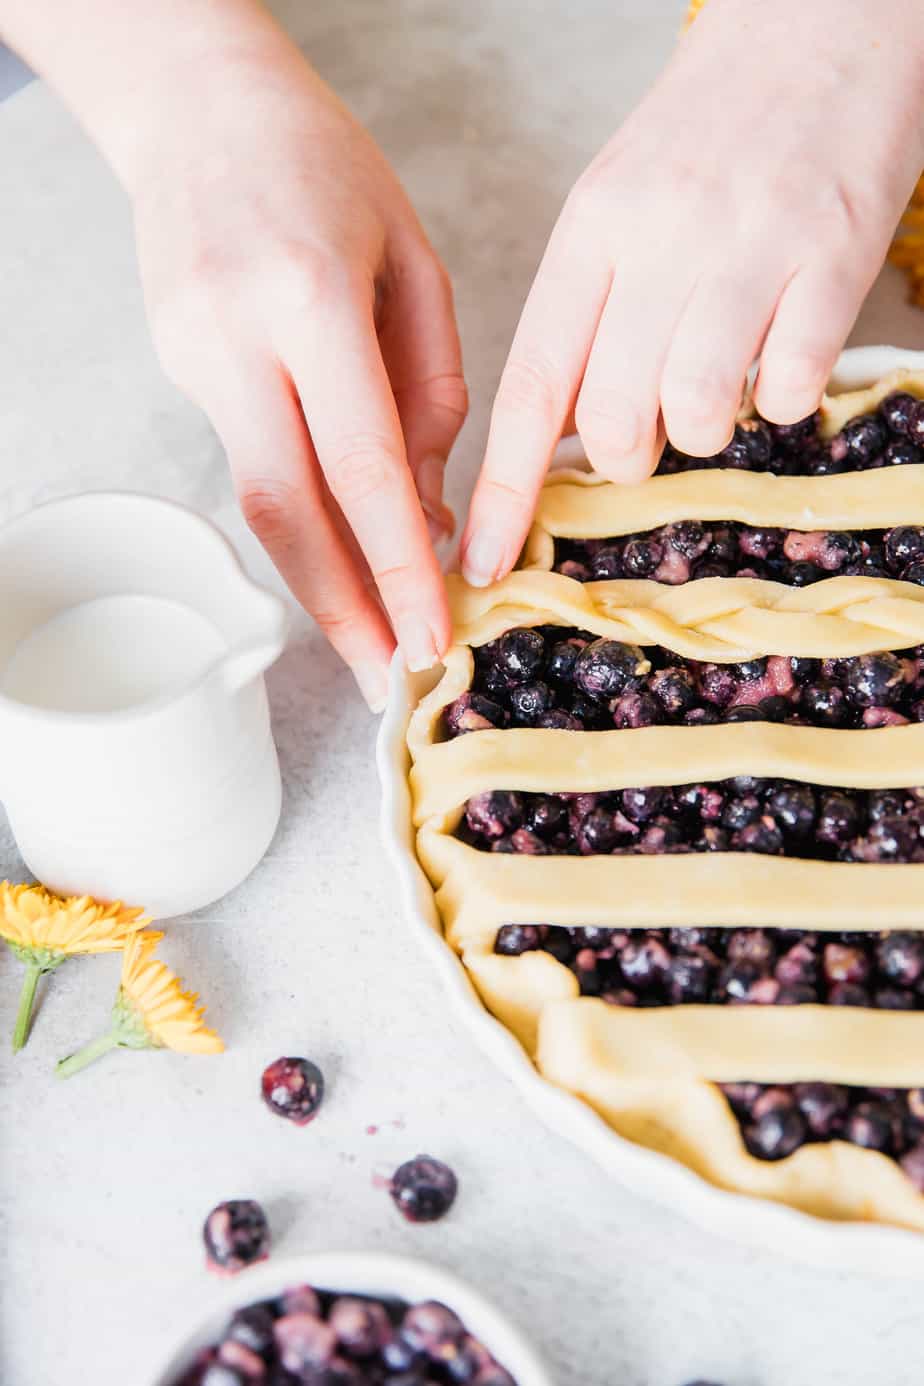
(87, 1055)
(26, 1002)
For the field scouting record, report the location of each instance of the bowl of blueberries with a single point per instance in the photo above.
(350, 1319)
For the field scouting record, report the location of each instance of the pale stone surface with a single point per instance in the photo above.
(489, 112)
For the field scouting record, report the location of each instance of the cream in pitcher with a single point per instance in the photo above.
(136, 759)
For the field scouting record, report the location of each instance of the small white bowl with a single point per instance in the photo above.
(361, 1273)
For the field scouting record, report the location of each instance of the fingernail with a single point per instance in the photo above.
(373, 683)
(416, 640)
(483, 558)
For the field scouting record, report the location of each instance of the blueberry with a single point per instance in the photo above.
(675, 690)
(702, 717)
(546, 815)
(803, 574)
(220, 1374)
(473, 712)
(900, 957)
(865, 438)
(744, 983)
(903, 454)
(804, 670)
(916, 422)
(870, 1125)
(744, 712)
(606, 563)
(791, 437)
(430, 1327)
(597, 833)
(398, 1356)
(718, 683)
(689, 538)
(293, 1088)
(572, 569)
(903, 545)
(645, 963)
(494, 813)
(634, 710)
(562, 659)
(559, 720)
(750, 670)
(642, 804)
(514, 939)
(763, 836)
(848, 994)
(236, 1234)
(253, 1328)
(690, 978)
(824, 1106)
(914, 572)
(641, 557)
(798, 965)
(305, 1343)
(759, 543)
(424, 1189)
(896, 409)
(884, 803)
(361, 1325)
(827, 461)
(838, 818)
(750, 447)
(844, 962)
(520, 655)
(605, 667)
(895, 999)
(750, 945)
(740, 811)
(298, 1299)
(776, 1134)
(824, 705)
(528, 701)
(793, 807)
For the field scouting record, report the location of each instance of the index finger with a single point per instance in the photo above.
(346, 397)
(534, 398)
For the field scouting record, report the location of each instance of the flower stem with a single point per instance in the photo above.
(26, 1002)
(87, 1055)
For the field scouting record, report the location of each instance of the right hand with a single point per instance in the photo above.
(294, 296)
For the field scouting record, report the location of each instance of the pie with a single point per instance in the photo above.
(667, 792)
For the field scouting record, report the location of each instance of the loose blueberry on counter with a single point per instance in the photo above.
(424, 1189)
(293, 1088)
(236, 1234)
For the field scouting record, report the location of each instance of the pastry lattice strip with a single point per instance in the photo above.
(618, 1062)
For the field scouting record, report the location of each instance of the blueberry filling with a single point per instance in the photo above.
(557, 677)
(677, 553)
(309, 1335)
(890, 436)
(744, 814)
(731, 967)
(777, 1121)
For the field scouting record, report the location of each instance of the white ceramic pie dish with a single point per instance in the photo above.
(353, 1272)
(865, 1247)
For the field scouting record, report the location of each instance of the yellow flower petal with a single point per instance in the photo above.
(170, 1015)
(32, 917)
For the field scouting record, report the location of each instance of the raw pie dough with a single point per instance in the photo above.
(651, 1073)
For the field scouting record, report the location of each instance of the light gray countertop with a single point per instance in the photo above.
(489, 111)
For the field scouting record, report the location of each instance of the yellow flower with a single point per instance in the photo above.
(151, 1011)
(44, 930)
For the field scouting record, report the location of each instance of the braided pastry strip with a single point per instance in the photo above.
(714, 619)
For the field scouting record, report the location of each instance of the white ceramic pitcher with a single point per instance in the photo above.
(136, 757)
